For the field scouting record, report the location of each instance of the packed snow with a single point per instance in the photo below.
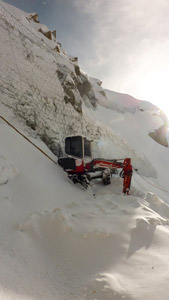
(59, 241)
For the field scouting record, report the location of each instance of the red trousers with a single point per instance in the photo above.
(127, 183)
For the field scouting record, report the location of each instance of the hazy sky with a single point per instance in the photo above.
(125, 43)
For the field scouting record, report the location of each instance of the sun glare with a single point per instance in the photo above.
(155, 89)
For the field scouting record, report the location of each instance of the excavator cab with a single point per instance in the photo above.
(78, 147)
(78, 150)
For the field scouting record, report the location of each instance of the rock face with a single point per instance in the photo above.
(54, 33)
(73, 59)
(34, 17)
(43, 86)
(48, 34)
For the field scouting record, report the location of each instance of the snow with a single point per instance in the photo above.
(59, 241)
(122, 99)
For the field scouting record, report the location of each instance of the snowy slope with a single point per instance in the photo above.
(128, 101)
(135, 128)
(61, 242)
(58, 241)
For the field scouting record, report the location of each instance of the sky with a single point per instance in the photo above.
(124, 43)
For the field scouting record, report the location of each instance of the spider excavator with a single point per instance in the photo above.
(82, 168)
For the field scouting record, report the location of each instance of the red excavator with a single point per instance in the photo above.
(81, 168)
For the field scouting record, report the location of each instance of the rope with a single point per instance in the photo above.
(28, 140)
(156, 186)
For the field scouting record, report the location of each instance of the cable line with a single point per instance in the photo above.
(28, 140)
(156, 186)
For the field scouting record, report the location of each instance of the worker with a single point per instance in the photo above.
(126, 173)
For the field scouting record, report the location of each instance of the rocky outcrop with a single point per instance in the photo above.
(34, 17)
(159, 135)
(85, 88)
(76, 86)
(73, 59)
(48, 34)
(54, 33)
(70, 98)
(66, 78)
(103, 93)
(77, 70)
(57, 49)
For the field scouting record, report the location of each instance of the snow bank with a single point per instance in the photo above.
(158, 205)
(89, 257)
(108, 286)
(47, 222)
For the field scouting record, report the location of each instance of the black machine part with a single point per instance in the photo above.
(67, 163)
